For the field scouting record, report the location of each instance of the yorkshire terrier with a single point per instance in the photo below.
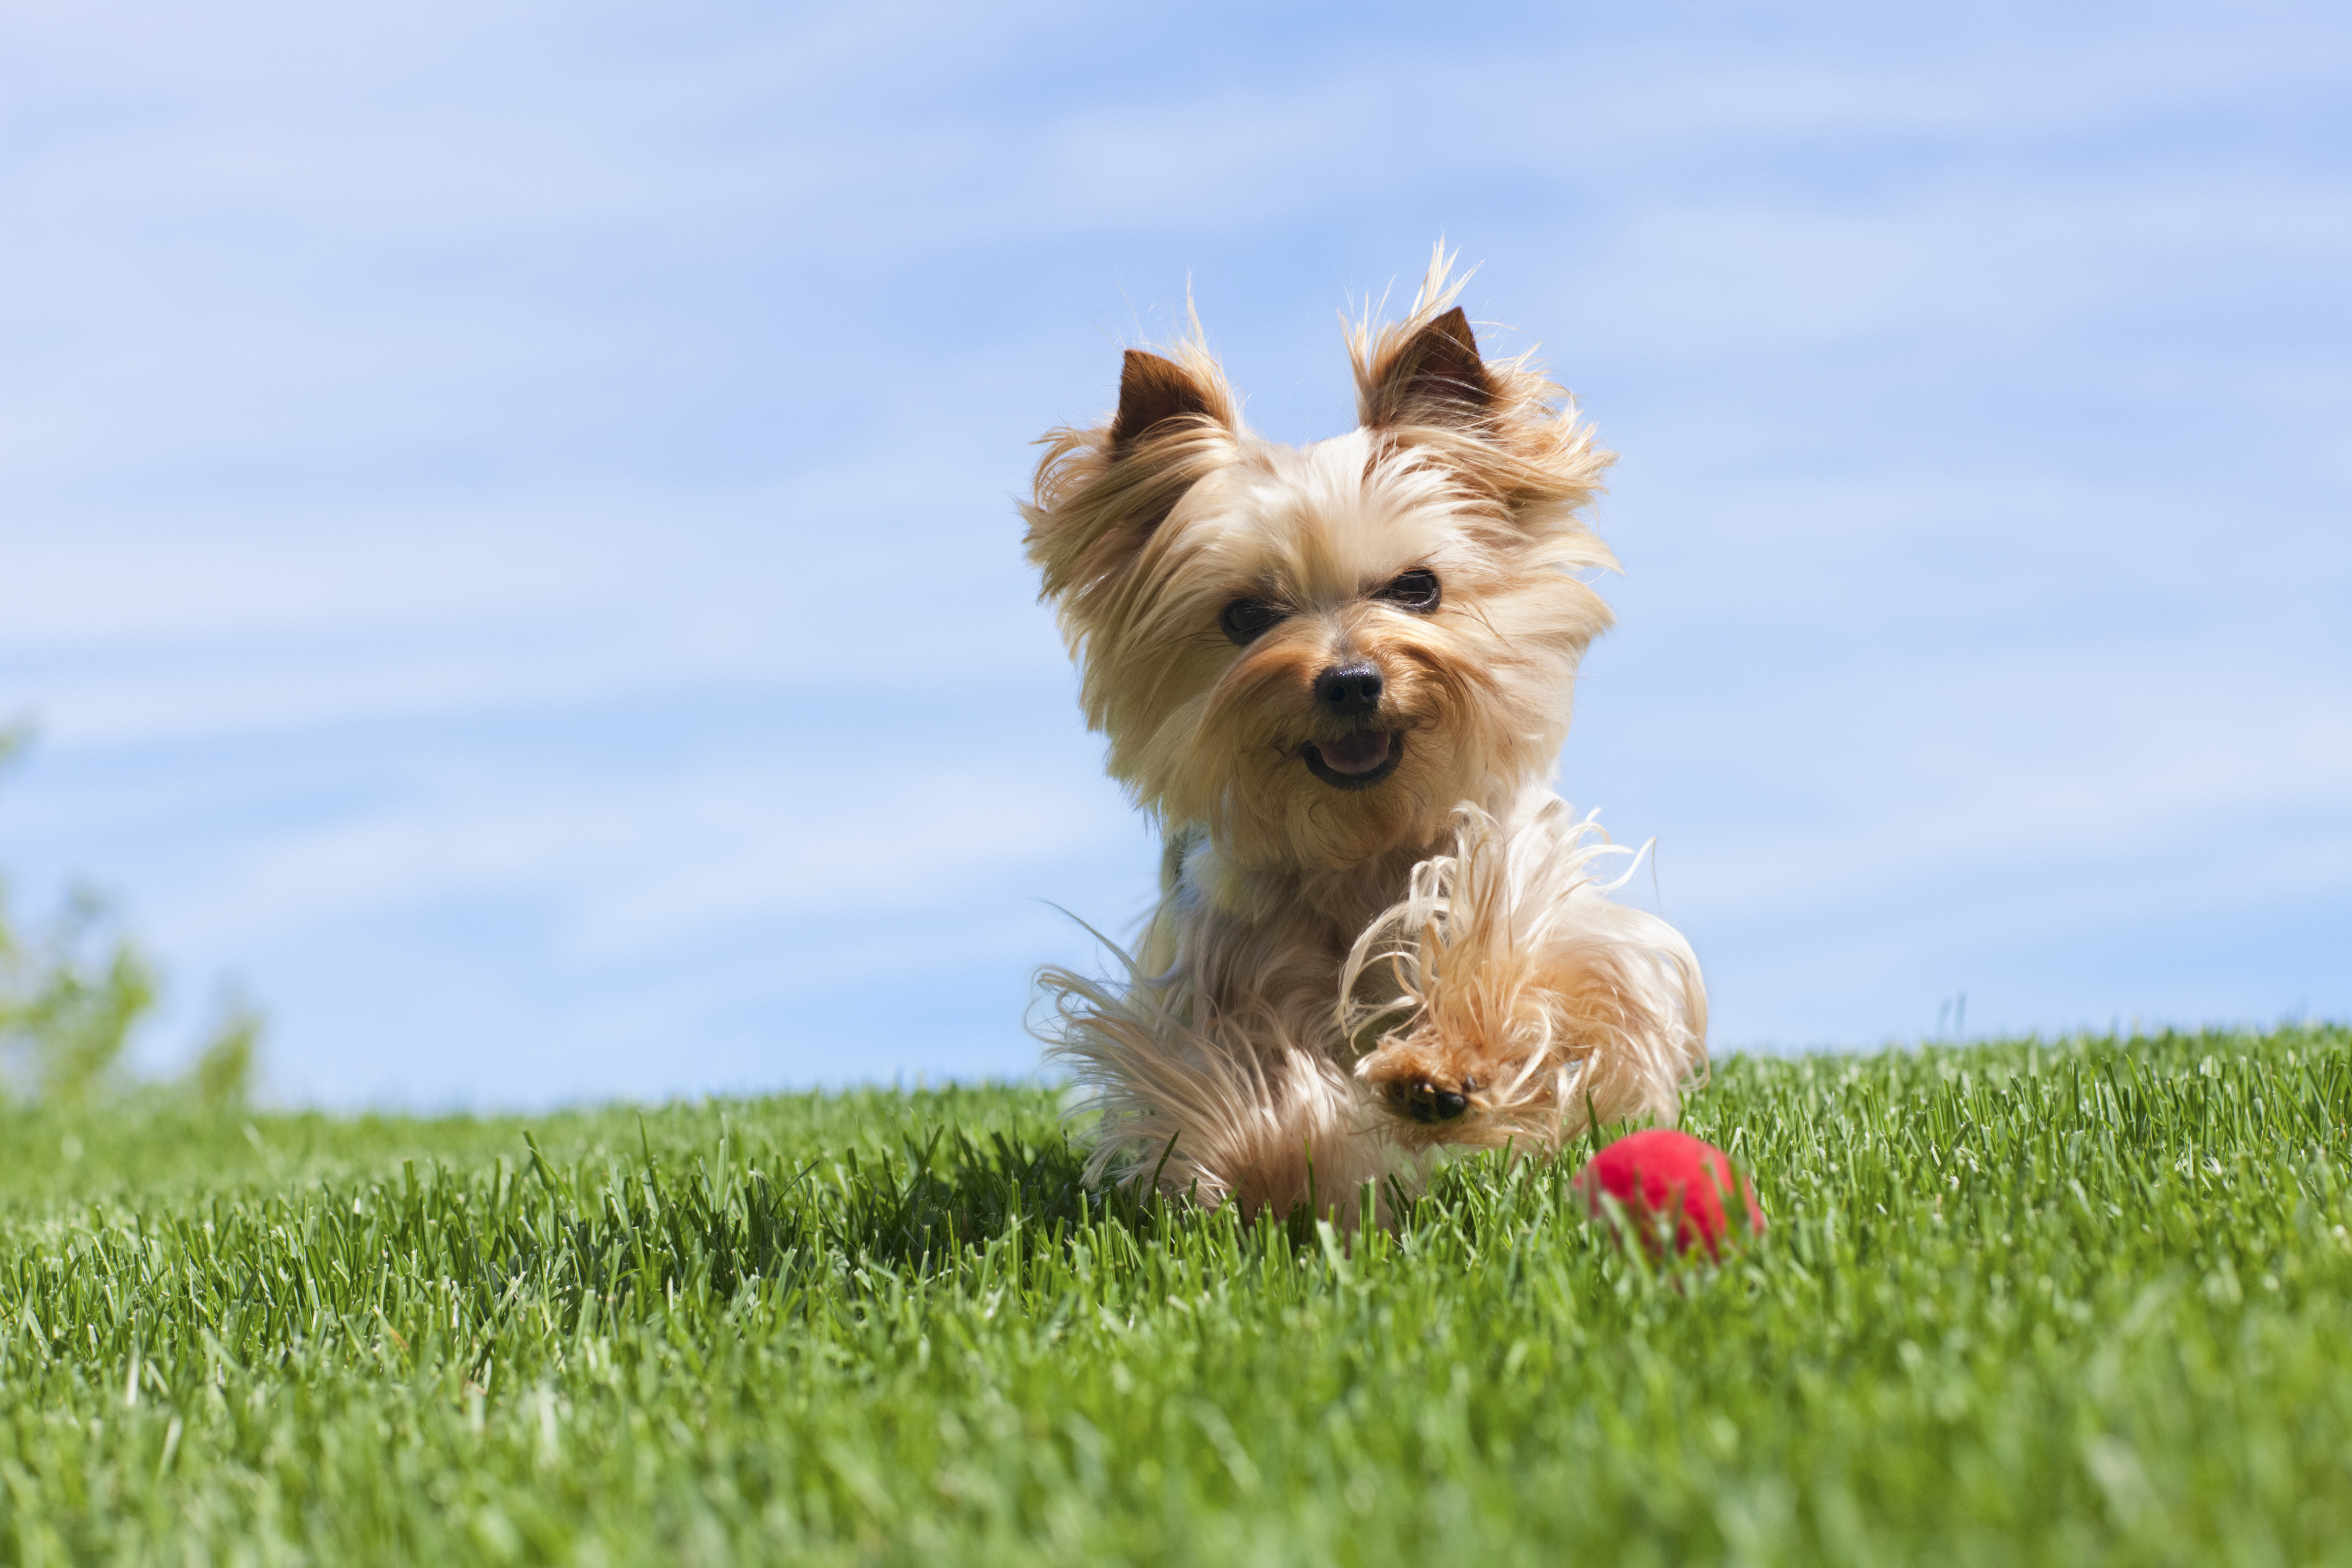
(1340, 676)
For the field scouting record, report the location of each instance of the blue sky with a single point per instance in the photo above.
(506, 523)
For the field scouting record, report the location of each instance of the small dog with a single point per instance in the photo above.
(1340, 676)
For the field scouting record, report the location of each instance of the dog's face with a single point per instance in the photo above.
(1315, 652)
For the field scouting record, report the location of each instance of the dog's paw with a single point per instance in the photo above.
(1522, 1002)
(1419, 1085)
(1457, 1075)
(1420, 1099)
(1436, 1088)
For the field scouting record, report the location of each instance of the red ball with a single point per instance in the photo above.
(1661, 1171)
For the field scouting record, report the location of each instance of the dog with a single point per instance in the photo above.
(1340, 676)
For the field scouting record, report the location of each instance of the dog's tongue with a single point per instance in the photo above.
(1358, 753)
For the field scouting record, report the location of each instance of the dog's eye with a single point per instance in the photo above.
(1415, 591)
(1245, 619)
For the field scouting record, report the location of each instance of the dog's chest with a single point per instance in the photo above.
(1273, 946)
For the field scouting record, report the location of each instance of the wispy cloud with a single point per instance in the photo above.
(503, 513)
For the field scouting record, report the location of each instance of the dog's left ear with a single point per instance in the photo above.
(1434, 377)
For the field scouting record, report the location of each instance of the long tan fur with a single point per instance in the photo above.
(1229, 1061)
(1516, 978)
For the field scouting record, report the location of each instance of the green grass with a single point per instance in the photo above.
(2019, 1304)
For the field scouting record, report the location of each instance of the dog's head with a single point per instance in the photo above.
(1315, 652)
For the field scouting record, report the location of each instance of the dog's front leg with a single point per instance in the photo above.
(1521, 1002)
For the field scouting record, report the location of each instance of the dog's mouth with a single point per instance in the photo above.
(1358, 761)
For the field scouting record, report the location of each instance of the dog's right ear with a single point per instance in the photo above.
(1152, 391)
(1103, 493)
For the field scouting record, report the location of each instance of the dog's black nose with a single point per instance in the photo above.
(1348, 690)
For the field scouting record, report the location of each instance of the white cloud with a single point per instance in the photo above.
(487, 497)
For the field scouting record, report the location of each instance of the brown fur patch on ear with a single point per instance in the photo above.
(1101, 493)
(1152, 390)
(1434, 377)
(1502, 427)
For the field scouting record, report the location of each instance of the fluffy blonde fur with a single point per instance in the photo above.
(1512, 973)
(1322, 995)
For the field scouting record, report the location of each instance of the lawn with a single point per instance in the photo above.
(2021, 1302)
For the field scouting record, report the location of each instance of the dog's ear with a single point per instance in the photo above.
(1502, 427)
(1102, 493)
(1434, 377)
(1152, 391)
